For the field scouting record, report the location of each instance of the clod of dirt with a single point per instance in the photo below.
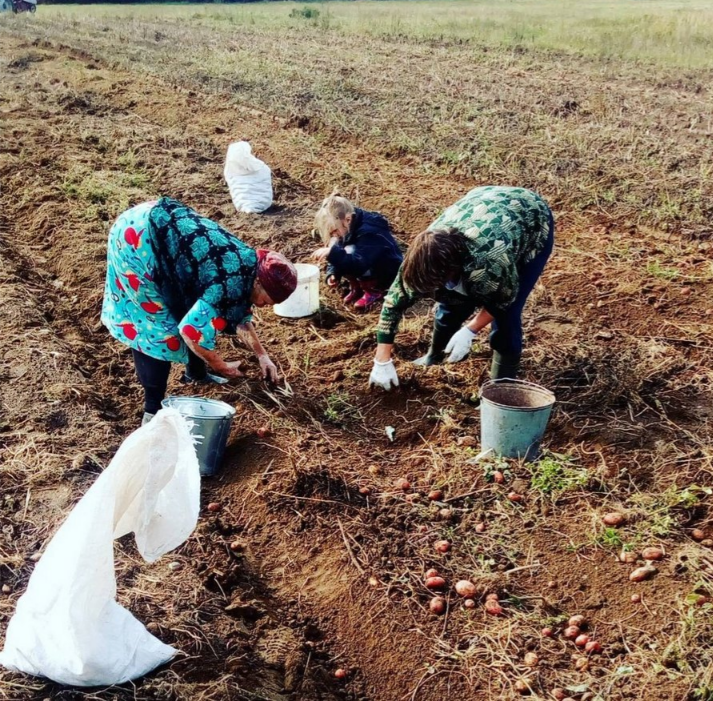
(446, 514)
(153, 628)
(652, 553)
(237, 546)
(614, 518)
(707, 543)
(263, 432)
(466, 441)
(337, 376)
(642, 573)
(581, 664)
(247, 610)
(480, 527)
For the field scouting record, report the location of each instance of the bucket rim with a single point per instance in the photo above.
(171, 401)
(521, 383)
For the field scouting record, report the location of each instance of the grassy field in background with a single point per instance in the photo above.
(660, 31)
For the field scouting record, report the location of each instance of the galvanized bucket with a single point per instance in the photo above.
(211, 425)
(513, 417)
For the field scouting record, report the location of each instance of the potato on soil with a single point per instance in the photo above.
(466, 589)
(493, 608)
(403, 484)
(263, 432)
(559, 694)
(547, 632)
(614, 518)
(469, 604)
(433, 572)
(435, 583)
(577, 620)
(593, 647)
(214, 507)
(442, 546)
(340, 673)
(480, 527)
(581, 640)
(642, 573)
(628, 557)
(698, 534)
(571, 632)
(437, 605)
(515, 497)
(531, 659)
(435, 495)
(498, 477)
(521, 686)
(652, 553)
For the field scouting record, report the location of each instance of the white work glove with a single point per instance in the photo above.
(459, 345)
(384, 375)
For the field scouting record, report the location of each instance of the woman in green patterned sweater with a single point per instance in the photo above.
(484, 253)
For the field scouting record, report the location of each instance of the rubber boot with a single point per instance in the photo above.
(439, 341)
(505, 365)
(355, 291)
(372, 295)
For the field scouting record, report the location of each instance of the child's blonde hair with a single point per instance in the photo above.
(333, 209)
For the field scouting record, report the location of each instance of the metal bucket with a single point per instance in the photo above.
(211, 425)
(513, 417)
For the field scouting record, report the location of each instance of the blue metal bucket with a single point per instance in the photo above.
(211, 421)
(513, 417)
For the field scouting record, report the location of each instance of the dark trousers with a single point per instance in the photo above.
(153, 376)
(506, 327)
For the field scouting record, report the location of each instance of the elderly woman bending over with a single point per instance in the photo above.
(174, 281)
(484, 253)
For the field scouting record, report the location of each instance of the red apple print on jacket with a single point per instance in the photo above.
(151, 307)
(132, 237)
(192, 333)
(173, 343)
(219, 323)
(129, 330)
(133, 279)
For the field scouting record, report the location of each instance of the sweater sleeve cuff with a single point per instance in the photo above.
(383, 337)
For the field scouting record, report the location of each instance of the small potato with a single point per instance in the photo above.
(571, 632)
(636, 598)
(531, 659)
(493, 608)
(340, 673)
(498, 477)
(442, 546)
(652, 553)
(446, 514)
(433, 572)
(581, 640)
(521, 686)
(263, 432)
(214, 507)
(628, 557)
(515, 497)
(593, 647)
(642, 573)
(547, 632)
(480, 527)
(364, 491)
(559, 694)
(435, 583)
(614, 518)
(403, 484)
(698, 534)
(469, 604)
(577, 620)
(581, 664)
(466, 589)
(491, 597)
(437, 605)
(435, 495)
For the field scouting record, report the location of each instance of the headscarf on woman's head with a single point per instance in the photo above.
(276, 274)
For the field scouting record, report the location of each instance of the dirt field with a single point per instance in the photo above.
(97, 116)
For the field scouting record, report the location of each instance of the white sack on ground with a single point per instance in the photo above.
(68, 626)
(249, 179)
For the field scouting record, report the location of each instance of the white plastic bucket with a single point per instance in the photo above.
(305, 299)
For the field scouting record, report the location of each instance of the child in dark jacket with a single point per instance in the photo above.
(359, 247)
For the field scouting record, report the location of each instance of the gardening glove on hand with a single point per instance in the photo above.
(384, 375)
(459, 345)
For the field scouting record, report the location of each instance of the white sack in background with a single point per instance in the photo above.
(68, 626)
(249, 179)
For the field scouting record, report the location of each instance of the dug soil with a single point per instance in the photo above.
(315, 561)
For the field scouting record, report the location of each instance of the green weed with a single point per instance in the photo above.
(554, 474)
(340, 409)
